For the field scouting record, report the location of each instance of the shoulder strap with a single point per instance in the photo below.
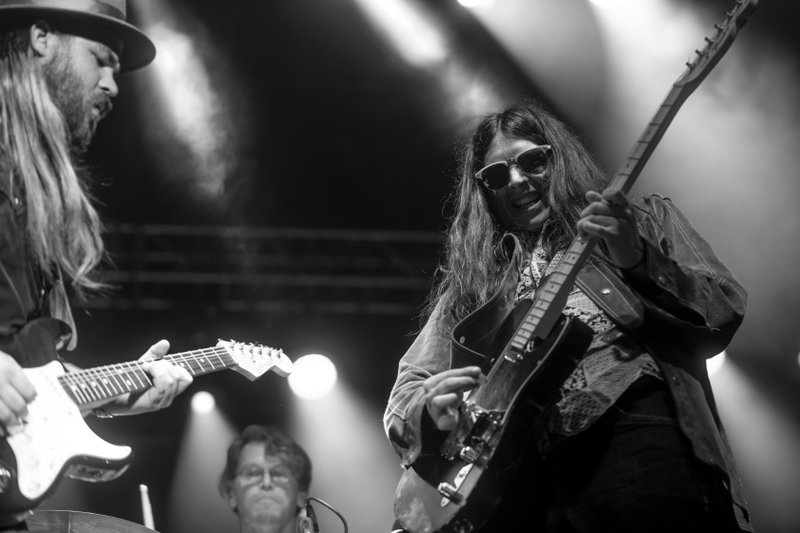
(474, 335)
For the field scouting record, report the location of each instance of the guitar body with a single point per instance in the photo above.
(53, 440)
(457, 491)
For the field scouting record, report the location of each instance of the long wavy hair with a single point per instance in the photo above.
(64, 230)
(473, 262)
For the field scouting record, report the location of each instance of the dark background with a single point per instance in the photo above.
(338, 158)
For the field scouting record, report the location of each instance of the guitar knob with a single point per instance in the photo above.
(468, 454)
(463, 525)
(450, 492)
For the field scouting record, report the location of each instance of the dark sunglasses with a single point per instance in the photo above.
(533, 161)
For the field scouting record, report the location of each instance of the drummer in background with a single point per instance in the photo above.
(266, 480)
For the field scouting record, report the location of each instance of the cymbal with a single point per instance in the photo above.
(80, 522)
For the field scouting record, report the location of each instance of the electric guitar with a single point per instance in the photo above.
(54, 440)
(458, 489)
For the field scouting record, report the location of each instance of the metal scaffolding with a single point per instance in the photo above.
(269, 270)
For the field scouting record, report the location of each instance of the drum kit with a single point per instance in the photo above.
(81, 522)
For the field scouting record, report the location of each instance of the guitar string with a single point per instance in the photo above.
(92, 384)
(87, 382)
(195, 355)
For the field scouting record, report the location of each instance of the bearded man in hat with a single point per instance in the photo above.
(58, 62)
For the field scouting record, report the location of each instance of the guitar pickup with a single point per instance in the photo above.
(469, 454)
(450, 492)
(533, 344)
(516, 352)
(513, 356)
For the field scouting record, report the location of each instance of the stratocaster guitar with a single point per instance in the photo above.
(54, 440)
(458, 489)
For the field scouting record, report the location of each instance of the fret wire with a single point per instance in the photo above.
(78, 394)
(135, 371)
(100, 381)
(80, 382)
(202, 360)
(108, 381)
(183, 361)
(88, 391)
(117, 379)
(121, 373)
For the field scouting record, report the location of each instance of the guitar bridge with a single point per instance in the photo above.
(469, 454)
(470, 440)
(450, 493)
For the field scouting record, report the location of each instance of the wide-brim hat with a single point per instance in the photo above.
(95, 18)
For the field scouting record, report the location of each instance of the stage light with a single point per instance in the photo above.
(313, 377)
(407, 27)
(481, 4)
(355, 469)
(202, 402)
(195, 505)
(715, 363)
(610, 4)
(765, 437)
(425, 42)
(190, 118)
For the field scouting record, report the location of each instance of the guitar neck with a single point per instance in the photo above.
(97, 385)
(625, 177)
(552, 297)
(697, 69)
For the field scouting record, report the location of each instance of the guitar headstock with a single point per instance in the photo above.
(705, 59)
(253, 360)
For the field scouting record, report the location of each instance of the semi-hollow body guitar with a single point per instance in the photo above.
(54, 440)
(458, 489)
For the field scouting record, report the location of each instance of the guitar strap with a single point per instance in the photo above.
(474, 335)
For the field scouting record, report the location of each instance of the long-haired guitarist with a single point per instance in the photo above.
(631, 440)
(58, 62)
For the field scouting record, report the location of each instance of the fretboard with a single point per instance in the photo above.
(102, 383)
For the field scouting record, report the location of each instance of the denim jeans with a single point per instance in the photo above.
(633, 471)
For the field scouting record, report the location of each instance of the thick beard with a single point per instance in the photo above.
(65, 91)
